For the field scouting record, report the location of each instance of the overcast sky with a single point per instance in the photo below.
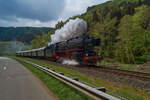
(39, 13)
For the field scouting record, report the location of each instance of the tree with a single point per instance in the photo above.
(147, 2)
(134, 36)
(139, 3)
(59, 25)
(123, 47)
(107, 33)
(41, 40)
(128, 10)
(145, 16)
(98, 16)
(141, 32)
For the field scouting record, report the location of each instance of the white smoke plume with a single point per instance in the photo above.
(72, 29)
(69, 62)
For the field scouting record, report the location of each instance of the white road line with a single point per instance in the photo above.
(4, 68)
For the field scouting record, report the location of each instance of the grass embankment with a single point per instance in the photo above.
(61, 90)
(126, 91)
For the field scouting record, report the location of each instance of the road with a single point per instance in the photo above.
(18, 83)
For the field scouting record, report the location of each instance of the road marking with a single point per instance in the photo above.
(8, 77)
(4, 68)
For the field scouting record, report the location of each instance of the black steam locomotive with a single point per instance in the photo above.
(80, 49)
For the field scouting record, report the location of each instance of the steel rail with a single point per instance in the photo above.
(138, 75)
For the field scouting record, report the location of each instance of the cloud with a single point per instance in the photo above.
(27, 22)
(42, 10)
(76, 7)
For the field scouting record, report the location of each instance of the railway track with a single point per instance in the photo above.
(137, 75)
(132, 74)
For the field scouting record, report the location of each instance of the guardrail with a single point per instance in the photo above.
(90, 91)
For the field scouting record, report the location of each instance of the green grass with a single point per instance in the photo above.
(125, 67)
(5, 43)
(123, 90)
(63, 91)
(131, 95)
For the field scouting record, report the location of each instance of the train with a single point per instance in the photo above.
(80, 49)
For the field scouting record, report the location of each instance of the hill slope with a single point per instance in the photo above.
(123, 27)
(24, 34)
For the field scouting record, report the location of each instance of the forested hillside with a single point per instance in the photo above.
(24, 34)
(123, 27)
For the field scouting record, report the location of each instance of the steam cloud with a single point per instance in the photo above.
(72, 29)
(69, 62)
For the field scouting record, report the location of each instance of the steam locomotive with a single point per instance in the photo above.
(80, 49)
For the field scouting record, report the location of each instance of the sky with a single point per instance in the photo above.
(41, 13)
